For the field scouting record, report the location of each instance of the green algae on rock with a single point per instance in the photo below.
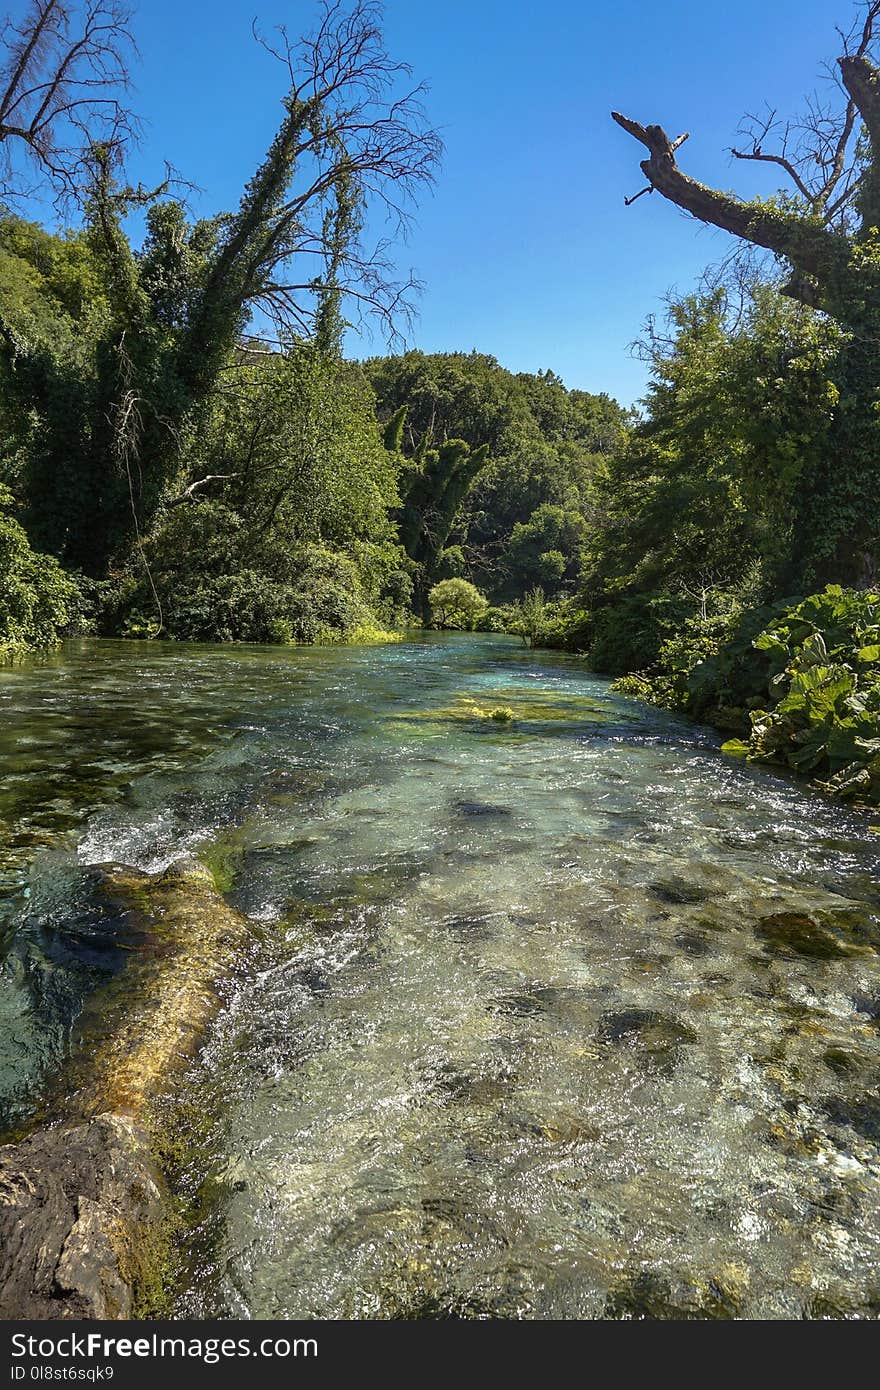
(819, 936)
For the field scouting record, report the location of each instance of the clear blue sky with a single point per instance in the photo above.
(525, 246)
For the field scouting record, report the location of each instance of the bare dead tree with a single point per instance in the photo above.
(819, 149)
(64, 74)
(822, 154)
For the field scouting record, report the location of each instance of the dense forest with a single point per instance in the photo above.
(188, 454)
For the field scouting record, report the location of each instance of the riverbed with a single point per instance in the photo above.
(559, 1013)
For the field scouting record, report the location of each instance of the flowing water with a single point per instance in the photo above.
(560, 1016)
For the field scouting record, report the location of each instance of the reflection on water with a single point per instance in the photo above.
(559, 1016)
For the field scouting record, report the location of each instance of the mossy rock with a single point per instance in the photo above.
(87, 1223)
(861, 1113)
(679, 891)
(820, 936)
(842, 1306)
(692, 943)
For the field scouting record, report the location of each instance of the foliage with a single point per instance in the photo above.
(433, 487)
(113, 407)
(823, 681)
(546, 447)
(37, 599)
(545, 549)
(321, 599)
(456, 603)
(822, 228)
(700, 510)
(528, 617)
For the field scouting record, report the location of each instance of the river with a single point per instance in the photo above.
(563, 1016)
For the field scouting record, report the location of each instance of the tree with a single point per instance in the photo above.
(546, 444)
(529, 617)
(456, 603)
(546, 547)
(697, 515)
(432, 488)
(37, 599)
(115, 419)
(66, 71)
(825, 229)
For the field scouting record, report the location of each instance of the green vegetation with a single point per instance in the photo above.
(823, 711)
(686, 594)
(456, 603)
(38, 601)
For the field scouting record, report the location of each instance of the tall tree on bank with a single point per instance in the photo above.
(113, 420)
(825, 229)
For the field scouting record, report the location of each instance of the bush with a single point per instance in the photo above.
(456, 603)
(493, 619)
(319, 599)
(38, 600)
(528, 617)
(822, 715)
(627, 632)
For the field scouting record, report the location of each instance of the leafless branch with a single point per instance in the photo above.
(64, 74)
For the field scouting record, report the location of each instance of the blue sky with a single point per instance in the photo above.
(525, 247)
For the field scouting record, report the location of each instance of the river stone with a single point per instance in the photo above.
(861, 1113)
(647, 1296)
(679, 891)
(655, 1037)
(75, 1202)
(480, 808)
(797, 934)
(692, 943)
(83, 1214)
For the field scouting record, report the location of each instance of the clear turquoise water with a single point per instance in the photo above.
(515, 1037)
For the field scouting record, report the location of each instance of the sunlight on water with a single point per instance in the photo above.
(563, 1015)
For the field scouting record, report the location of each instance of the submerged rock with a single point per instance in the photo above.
(798, 934)
(861, 1113)
(840, 1305)
(655, 1037)
(680, 891)
(692, 943)
(648, 1296)
(81, 1206)
(481, 808)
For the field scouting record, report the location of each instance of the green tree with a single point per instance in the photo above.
(700, 512)
(547, 446)
(456, 603)
(37, 599)
(545, 549)
(433, 486)
(114, 418)
(528, 617)
(292, 501)
(824, 229)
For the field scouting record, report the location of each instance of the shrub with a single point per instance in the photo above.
(37, 598)
(528, 617)
(456, 603)
(319, 599)
(822, 714)
(493, 619)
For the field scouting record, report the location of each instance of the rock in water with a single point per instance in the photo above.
(84, 1215)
